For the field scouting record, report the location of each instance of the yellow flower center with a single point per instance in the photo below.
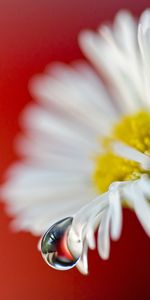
(133, 130)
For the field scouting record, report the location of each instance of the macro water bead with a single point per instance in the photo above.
(54, 246)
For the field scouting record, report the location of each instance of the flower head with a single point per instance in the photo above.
(86, 145)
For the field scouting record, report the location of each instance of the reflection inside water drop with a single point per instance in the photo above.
(55, 249)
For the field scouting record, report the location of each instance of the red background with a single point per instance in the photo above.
(33, 33)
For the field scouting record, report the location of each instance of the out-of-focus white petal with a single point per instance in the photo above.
(74, 95)
(108, 48)
(55, 126)
(125, 32)
(144, 44)
(35, 205)
(145, 20)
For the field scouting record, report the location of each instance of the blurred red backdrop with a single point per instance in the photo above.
(32, 34)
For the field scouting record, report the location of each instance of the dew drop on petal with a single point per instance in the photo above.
(55, 249)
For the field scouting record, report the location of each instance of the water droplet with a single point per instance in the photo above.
(55, 247)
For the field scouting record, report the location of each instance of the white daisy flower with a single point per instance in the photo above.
(86, 146)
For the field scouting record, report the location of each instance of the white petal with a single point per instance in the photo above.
(91, 227)
(144, 184)
(103, 235)
(131, 153)
(82, 265)
(140, 205)
(90, 211)
(116, 214)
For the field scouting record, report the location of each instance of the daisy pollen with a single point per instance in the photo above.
(86, 146)
(133, 130)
